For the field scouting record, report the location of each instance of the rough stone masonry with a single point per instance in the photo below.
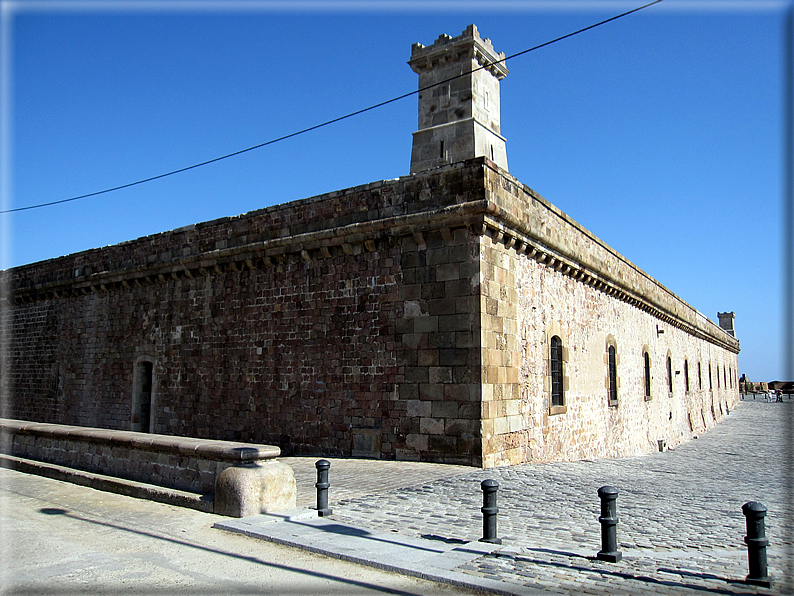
(452, 315)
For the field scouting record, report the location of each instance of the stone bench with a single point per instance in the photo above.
(243, 479)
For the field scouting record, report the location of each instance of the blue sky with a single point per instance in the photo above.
(659, 132)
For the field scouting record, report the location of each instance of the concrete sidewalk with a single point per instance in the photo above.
(417, 557)
(65, 539)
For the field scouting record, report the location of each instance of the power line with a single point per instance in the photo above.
(328, 122)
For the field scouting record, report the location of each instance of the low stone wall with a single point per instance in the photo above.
(259, 482)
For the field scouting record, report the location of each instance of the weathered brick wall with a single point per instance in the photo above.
(404, 319)
(439, 347)
(34, 371)
(339, 325)
(537, 226)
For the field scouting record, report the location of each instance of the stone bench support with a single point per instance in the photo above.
(244, 479)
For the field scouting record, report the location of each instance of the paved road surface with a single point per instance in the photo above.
(681, 526)
(680, 529)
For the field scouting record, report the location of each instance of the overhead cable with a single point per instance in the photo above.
(328, 122)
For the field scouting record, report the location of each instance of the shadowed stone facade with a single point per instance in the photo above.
(407, 319)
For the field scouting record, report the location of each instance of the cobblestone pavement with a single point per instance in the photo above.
(353, 478)
(681, 528)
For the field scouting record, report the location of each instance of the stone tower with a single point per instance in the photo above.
(459, 119)
(726, 322)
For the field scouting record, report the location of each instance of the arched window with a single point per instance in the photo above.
(555, 380)
(647, 358)
(557, 385)
(686, 375)
(670, 374)
(613, 375)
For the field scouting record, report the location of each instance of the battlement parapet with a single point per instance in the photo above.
(468, 45)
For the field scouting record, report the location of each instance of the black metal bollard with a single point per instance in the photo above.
(489, 510)
(322, 485)
(756, 542)
(609, 521)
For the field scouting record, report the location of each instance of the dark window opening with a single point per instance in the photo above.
(670, 374)
(647, 374)
(686, 375)
(557, 397)
(441, 152)
(711, 382)
(613, 375)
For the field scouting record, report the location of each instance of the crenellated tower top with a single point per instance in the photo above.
(468, 44)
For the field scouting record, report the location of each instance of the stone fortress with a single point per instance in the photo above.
(451, 315)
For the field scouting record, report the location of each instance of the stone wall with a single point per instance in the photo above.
(440, 348)
(182, 463)
(403, 319)
(543, 275)
(318, 325)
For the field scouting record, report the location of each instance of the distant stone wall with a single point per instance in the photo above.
(402, 319)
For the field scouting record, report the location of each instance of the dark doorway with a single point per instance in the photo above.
(142, 396)
(146, 396)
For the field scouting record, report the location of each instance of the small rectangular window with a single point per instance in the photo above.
(686, 376)
(556, 372)
(670, 375)
(613, 375)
